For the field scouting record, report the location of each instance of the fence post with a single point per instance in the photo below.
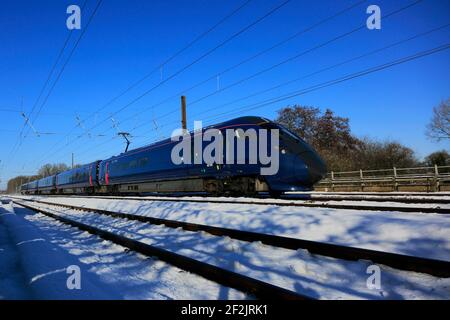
(395, 180)
(332, 180)
(361, 180)
(437, 186)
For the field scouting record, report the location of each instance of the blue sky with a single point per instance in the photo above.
(128, 39)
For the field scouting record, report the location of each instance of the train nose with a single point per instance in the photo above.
(316, 167)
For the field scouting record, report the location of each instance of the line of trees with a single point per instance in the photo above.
(331, 136)
(439, 127)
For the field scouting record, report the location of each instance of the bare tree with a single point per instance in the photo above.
(300, 119)
(52, 169)
(439, 127)
(46, 170)
(322, 130)
(385, 154)
(328, 133)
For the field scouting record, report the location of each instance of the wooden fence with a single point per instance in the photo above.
(429, 179)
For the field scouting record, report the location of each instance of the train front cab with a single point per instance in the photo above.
(300, 167)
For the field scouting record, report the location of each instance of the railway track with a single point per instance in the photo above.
(277, 202)
(403, 262)
(375, 193)
(370, 198)
(258, 288)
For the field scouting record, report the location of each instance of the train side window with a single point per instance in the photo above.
(143, 162)
(133, 164)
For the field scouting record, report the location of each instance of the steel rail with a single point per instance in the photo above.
(374, 193)
(282, 202)
(362, 198)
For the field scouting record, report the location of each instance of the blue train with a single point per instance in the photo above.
(151, 169)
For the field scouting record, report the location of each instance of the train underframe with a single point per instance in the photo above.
(233, 186)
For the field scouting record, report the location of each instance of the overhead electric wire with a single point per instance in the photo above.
(52, 69)
(84, 29)
(99, 2)
(296, 56)
(60, 54)
(166, 61)
(343, 79)
(272, 11)
(278, 44)
(336, 65)
(330, 83)
(204, 55)
(363, 26)
(15, 149)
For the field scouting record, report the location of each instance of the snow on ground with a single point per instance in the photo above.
(35, 267)
(418, 234)
(296, 270)
(12, 279)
